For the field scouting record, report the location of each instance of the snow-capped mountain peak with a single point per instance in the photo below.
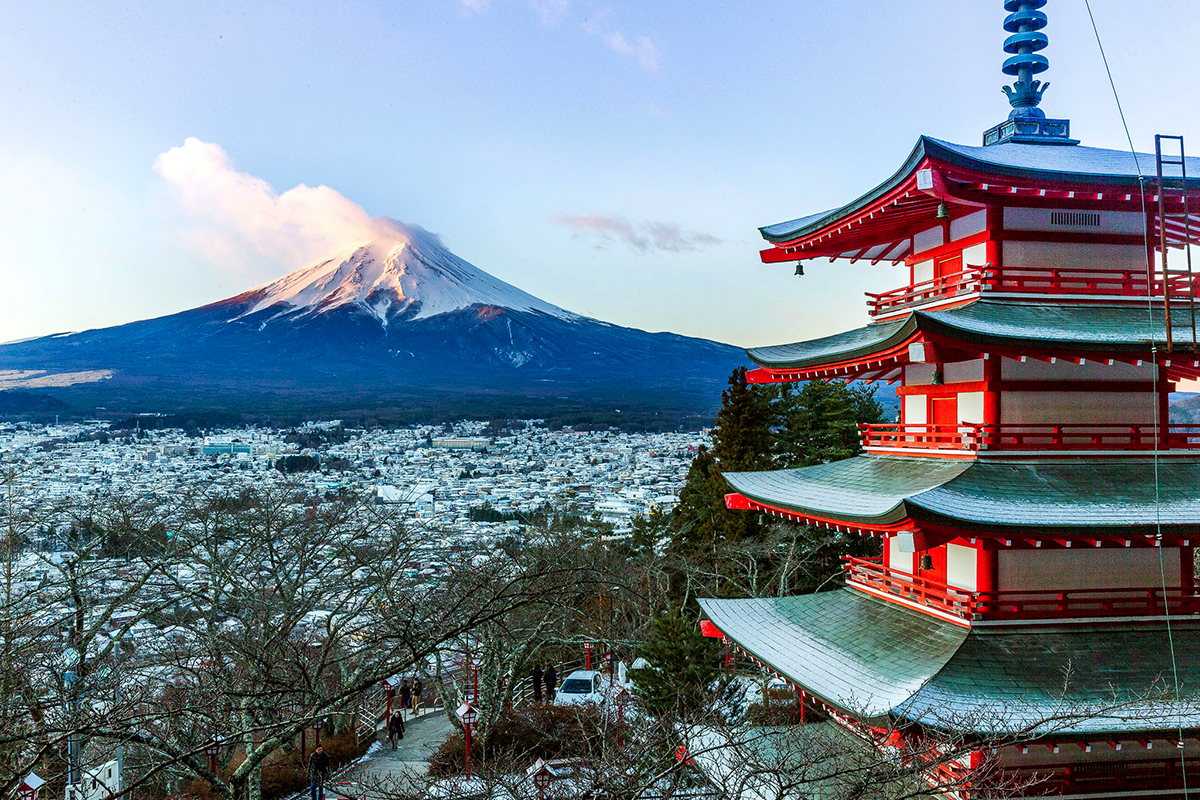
(405, 272)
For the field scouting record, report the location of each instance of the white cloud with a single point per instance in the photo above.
(240, 223)
(643, 237)
(552, 11)
(644, 49)
(467, 8)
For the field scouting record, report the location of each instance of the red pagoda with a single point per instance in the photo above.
(1038, 511)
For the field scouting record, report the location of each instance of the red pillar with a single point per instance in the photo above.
(991, 395)
(1164, 409)
(1187, 571)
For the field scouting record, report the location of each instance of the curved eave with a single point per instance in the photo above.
(786, 231)
(1005, 328)
(875, 338)
(867, 491)
(1066, 167)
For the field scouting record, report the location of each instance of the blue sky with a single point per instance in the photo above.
(613, 158)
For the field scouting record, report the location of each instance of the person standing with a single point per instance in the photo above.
(418, 687)
(395, 728)
(536, 675)
(405, 693)
(551, 682)
(318, 773)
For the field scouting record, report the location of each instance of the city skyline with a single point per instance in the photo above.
(610, 159)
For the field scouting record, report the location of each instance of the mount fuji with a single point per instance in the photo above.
(398, 326)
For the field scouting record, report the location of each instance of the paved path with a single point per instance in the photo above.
(393, 771)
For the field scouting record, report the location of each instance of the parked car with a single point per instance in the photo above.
(583, 686)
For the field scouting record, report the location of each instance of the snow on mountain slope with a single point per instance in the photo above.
(406, 271)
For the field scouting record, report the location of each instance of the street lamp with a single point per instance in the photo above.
(542, 776)
(467, 713)
(317, 727)
(589, 647)
(213, 749)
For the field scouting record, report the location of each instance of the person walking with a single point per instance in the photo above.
(395, 729)
(405, 693)
(318, 773)
(418, 688)
(551, 679)
(536, 675)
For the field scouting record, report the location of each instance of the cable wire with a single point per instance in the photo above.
(1158, 421)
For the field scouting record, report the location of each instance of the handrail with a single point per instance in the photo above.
(1021, 604)
(1033, 280)
(974, 437)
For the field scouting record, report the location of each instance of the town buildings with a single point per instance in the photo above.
(1038, 513)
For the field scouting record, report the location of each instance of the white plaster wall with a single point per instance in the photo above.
(922, 271)
(970, 407)
(1071, 255)
(1052, 408)
(902, 562)
(969, 225)
(963, 371)
(961, 566)
(1038, 219)
(975, 256)
(1033, 370)
(915, 410)
(919, 374)
(934, 237)
(1085, 568)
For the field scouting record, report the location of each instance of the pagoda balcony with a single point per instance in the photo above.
(872, 575)
(1012, 439)
(1078, 283)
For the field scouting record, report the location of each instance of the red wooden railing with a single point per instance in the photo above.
(1038, 438)
(1034, 604)
(1133, 601)
(1032, 280)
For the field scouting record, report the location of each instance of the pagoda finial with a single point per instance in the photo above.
(1027, 124)
(1025, 22)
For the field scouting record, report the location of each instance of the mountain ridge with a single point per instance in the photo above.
(399, 319)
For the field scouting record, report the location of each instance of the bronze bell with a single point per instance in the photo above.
(800, 269)
(943, 211)
(927, 561)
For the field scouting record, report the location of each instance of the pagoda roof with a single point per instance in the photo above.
(1095, 496)
(874, 225)
(879, 661)
(867, 489)
(1016, 326)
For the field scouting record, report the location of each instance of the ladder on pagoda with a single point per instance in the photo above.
(1174, 228)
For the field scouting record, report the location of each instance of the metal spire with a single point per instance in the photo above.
(1025, 23)
(1027, 124)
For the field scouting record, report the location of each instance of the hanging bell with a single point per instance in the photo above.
(799, 269)
(927, 561)
(943, 211)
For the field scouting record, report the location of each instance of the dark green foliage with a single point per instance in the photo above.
(741, 442)
(762, 428)
(683, 664)
(819, 423)
(291, 464)
(649, 532)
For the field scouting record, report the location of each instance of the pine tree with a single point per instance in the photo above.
(741, 443)
(819, 422)
(683, 664)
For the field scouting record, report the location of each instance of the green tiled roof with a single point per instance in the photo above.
(876, 659)
(863, 489)
(1099, 493)
(844, 646)
(860, 341)
(1116, 496)
(1098, 327)
(1088, 680)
